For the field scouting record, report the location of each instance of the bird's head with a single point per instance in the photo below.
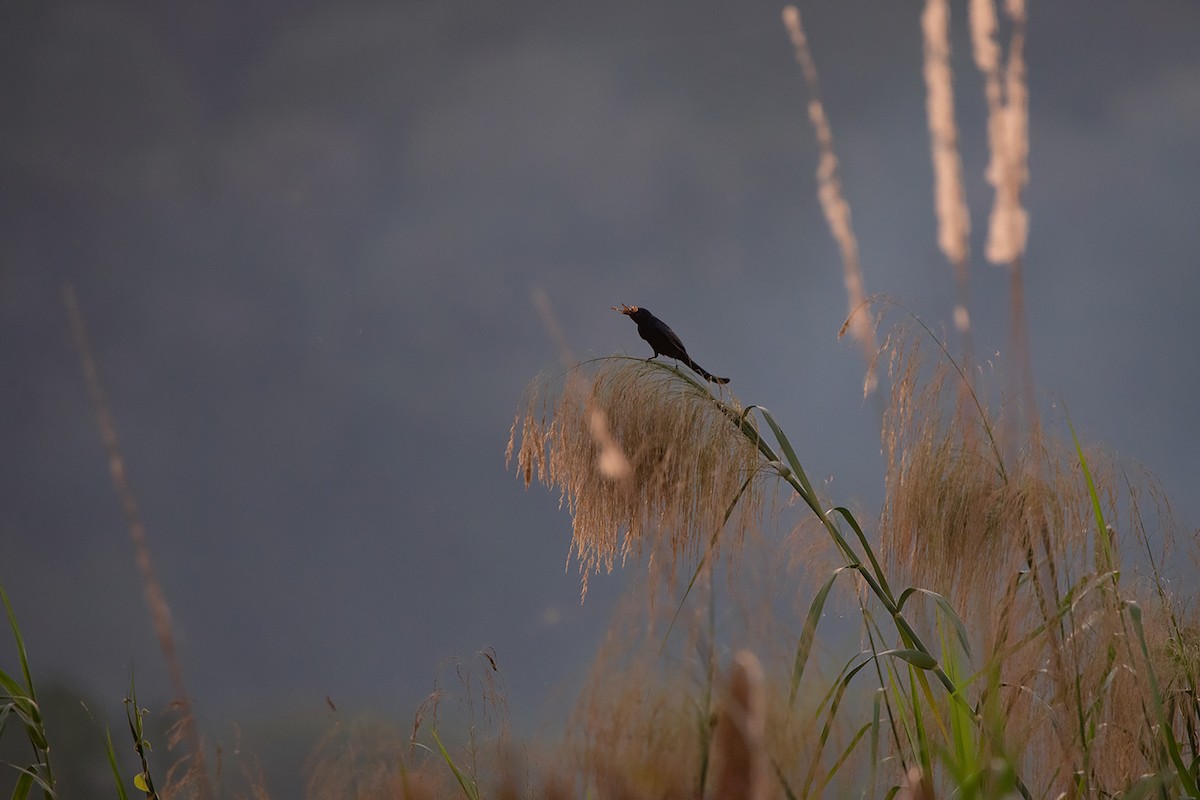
(624, 309)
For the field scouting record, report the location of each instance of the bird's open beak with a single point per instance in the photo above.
(624, 309)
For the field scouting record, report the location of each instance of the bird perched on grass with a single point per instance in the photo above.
(664, 341)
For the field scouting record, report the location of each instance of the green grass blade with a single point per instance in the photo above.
(875, 728)
(924, 755)
(24, 697)
(22, 701)
(842, 758)
(704, 560)
(24, 784)
(808, 635)
(22, 656)
(468, 786)
(947, 610)
(800, 482)
(842, 685)
(116, 770)
(793, 461)
(862, 539)
(962, 723)
(1186, 779)
(788, 792)
(918, 658)
(1104, 544)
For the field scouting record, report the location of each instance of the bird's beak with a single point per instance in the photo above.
(624, 309)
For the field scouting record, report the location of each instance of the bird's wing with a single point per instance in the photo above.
(666, 331)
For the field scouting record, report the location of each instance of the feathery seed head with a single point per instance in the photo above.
(646, 459)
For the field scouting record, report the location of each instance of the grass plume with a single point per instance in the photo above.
(950, 201)
(1007, 94)
(160, 613)
(680, 465)
(1018, 630)
(833, 200)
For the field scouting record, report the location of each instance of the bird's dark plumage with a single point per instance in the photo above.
(664, 341)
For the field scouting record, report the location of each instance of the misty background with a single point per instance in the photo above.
(305, 239)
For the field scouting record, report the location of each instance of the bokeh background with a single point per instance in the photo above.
(306, 238)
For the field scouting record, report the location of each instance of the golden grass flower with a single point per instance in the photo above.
(646, 458)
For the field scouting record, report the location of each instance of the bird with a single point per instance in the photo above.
(664, 340)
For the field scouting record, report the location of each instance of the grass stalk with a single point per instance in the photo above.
(155, 597)
(19, 701)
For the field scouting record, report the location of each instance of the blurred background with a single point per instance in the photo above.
(306, 241)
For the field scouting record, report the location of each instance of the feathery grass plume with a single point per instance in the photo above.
(662, 479)
(612, 461)
(160, 613)
(1007, 96)
(1035, 564)
(956, 515)
(478, 693)
(645, 724)
(967, 524)
(833, 200)
(1008, 126)
(739, 750)
(954, 224)
(541, 301)
(368, 759)
(950, 202)
(637, 731)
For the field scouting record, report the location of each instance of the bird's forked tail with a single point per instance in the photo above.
(703, 373)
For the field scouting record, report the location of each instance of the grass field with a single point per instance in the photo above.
(1004, 626)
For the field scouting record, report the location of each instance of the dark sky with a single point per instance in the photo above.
(305, 238)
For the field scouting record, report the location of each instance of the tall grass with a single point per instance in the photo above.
(196, 775)
(1016, 631)
(833, 199)
(1005, 648)
(19, 703)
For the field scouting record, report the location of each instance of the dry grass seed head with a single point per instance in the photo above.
(948, 512)
(369, 759)
(739, 753)
(1009, 543)
(633, 729)
(685, 462)
(950, 204)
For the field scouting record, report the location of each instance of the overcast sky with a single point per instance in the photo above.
(305, 238)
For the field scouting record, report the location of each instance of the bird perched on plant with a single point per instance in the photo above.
(664, 340)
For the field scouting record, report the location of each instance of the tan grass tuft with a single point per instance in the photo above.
(658, 476)
(650, 712)
(638, 736)
(946, 490)
(1016, 548)
(368, 759)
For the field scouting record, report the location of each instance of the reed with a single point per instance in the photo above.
(1017, 633)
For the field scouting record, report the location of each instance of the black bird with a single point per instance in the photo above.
(664, 341)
